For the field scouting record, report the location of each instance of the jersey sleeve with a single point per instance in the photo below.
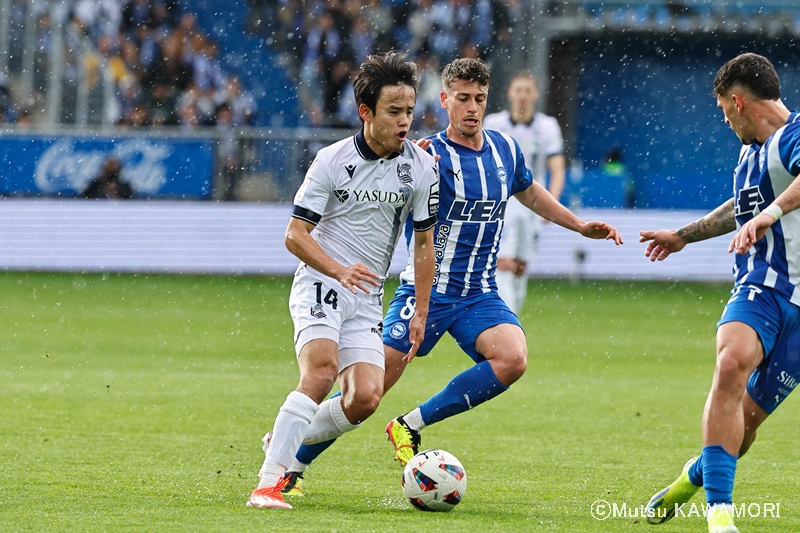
(793, 163)
(313, 195)
(553, 140)
(425, 204)
(522, 174)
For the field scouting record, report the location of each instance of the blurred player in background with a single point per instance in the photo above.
(758, 336)
(355, 199)
(539, 137)
(479, 171)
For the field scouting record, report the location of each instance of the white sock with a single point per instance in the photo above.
(506, 288)
(329, 422)
(414, 420)
(290, 427)
(521, 291)
(297, 466)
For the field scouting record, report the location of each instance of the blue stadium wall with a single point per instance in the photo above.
(651, 97)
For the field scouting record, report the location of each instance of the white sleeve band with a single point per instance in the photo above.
(774, 210)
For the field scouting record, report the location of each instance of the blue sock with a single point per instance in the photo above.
(469, 389)
(308, 452)
(696, 472)
(719, 469)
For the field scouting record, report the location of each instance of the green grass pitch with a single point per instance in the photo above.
(137, 403)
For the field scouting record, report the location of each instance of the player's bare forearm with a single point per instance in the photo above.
(540, 201)
(557, 166)
(718, 222)
(537, 199)
(302, 245)
(664, 242)
(424, 268)
(789, 200)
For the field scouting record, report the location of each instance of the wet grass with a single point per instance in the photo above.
(137, 403)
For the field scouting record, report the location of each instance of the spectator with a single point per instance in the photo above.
(228, 152)
(6, 102)
(171, 68)
(263, 17)
(137, 13)
(109, 184)
(161, 103)
(337, 82)
(243, 104)
(208, 73)
(362, 41)
(188, 116)
(615, 169)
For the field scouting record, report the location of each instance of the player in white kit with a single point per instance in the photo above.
(539, 137)
(355, 199)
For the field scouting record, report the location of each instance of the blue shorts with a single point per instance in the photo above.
(777, 323)
(464, 319)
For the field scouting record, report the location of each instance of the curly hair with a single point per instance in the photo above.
(752, 72)
(467, 69)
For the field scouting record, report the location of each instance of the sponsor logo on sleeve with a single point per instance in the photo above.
(433, 200)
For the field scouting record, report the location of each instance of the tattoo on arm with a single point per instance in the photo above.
(718, 222)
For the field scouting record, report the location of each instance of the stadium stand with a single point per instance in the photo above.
(268, 80)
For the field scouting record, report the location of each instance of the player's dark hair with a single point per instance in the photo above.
(524, 75)
(382, 70)
(752, 72)
(468, 69)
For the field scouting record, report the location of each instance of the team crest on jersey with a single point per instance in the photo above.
(502, 177)
(404, 173)
(398, 331)
(749, 198)
(342, 195)
(317, 311)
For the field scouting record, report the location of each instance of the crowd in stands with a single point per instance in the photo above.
(165, 71)
(323, 42)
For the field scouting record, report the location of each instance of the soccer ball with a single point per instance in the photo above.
(434, 480)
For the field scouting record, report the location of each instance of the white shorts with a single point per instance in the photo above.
(520, 239)
(322, 309)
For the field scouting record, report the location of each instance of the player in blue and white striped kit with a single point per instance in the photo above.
(478, 172)
(758, 336)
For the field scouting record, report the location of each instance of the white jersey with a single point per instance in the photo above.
(539, 139)
(359, 201)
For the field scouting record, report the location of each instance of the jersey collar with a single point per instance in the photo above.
(515, 123)
(365, 151)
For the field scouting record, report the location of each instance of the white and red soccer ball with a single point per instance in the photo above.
(434, 480)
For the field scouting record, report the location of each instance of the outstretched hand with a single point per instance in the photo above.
(416, 333)
(601, 230)
(750, 233)
(356, 276)
(662, 243)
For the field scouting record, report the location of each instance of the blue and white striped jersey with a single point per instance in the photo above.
(474, 187)
(762, 174)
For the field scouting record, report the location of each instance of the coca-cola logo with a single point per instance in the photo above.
(68, 165)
